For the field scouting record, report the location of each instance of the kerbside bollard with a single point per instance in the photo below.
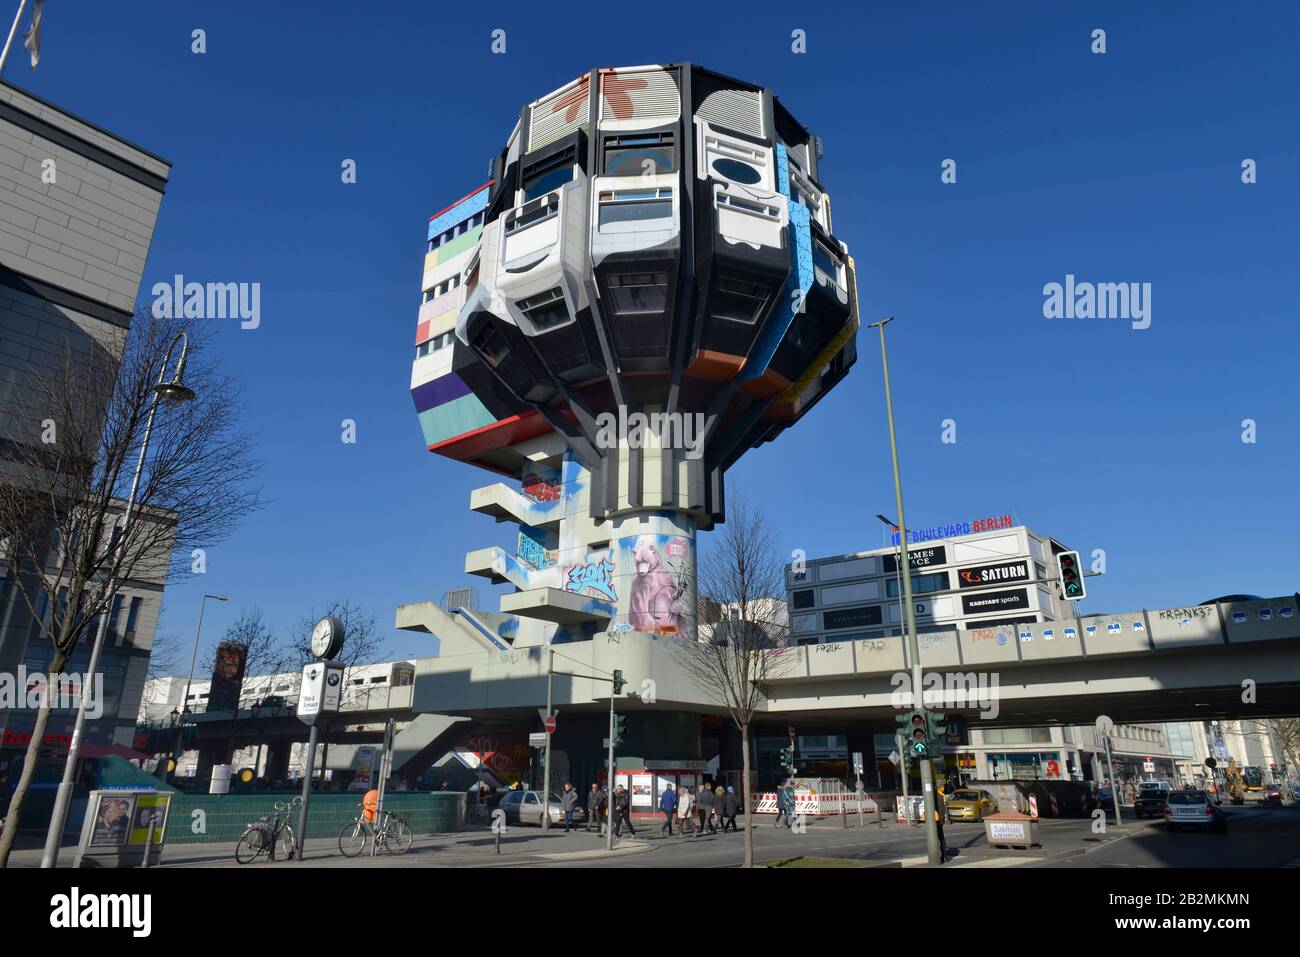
(148, 843)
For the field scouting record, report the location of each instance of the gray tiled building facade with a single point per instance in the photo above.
(78, 207)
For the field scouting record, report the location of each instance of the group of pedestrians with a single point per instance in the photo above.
(700, 810)
(598, 808)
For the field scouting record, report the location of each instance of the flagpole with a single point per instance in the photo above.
(4, 57)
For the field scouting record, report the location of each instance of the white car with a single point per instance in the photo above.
(525, 807)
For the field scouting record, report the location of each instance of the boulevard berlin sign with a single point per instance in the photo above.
(952, 531)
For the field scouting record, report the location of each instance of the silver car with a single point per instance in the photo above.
(525, 807)
(1194, 809)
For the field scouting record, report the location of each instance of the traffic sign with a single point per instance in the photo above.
(1104, 725)
(857, 762)
(550, 724)
(893, 757)
(537, 739)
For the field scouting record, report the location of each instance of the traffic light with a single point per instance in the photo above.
(918, 737)
(787, 761)
(618, 682)
(620, 729)
(937, 728)
(1071, 572)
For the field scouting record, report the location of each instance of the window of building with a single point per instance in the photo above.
(549, 178)
(803, 599)
(738, 301)
(635, 154)
(637, 294)
(921, 584)
(545, 310)
(634, 205)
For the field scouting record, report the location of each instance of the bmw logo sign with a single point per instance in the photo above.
(332, 679)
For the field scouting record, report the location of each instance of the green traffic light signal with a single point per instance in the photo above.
(1071, 576)
(920, 738)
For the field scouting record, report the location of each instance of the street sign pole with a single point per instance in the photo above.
(609, 782)
(1114, 785)
(546, 770)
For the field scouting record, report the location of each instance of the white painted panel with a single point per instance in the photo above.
(986, 548)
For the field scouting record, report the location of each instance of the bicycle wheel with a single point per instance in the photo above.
(252, 845)
(352, 839)
(286, 844)
(399, 837)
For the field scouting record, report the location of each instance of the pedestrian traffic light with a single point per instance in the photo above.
(618, 682)
(620, 729)
(918, 738)
(1071, 572)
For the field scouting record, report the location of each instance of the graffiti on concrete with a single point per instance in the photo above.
(594, 578)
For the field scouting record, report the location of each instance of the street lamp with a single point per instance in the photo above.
(185, 699)
(913, 648)
(172, 392)
(898, 572)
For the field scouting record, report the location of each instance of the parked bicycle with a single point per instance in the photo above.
(390, 832)
(271, 836)
(478, 812)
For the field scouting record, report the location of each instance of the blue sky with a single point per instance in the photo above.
(1122, 167)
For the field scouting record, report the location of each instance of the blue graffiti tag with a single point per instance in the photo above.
(598, 576)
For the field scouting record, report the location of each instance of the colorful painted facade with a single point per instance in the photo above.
(654, 246)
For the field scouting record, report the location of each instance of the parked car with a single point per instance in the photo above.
(1194, 809)
(1151, 798)
(525, 807)
(1273, 794)
(970, 804)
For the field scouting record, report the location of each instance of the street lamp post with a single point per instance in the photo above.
(174, 392)
(898, 571)
(185, 700)
(913, 648)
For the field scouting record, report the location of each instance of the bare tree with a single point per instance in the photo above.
(68, 538)
(265, 657)
(739, 642)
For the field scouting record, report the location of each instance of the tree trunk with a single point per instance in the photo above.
(29, 762)
(748, 796)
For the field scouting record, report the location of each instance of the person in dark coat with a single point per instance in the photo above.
(596, 808)
(730, 808)
(667, 806)
(704, 805)
(569, 801)
(622, 812)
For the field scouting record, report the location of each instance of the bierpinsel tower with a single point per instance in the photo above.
(647, 287)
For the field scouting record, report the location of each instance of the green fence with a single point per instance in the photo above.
(218, 818)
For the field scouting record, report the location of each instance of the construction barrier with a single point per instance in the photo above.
(813, 803)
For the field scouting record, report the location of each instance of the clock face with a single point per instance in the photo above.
(321, 637)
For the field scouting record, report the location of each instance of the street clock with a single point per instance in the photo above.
(327, 638)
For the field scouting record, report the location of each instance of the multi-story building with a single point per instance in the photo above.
(979, 574)
(77, 212)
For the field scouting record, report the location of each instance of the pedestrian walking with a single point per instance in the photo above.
(622, 812)
(730, 808)
(705, 806)
(596, 808)
(785, 805)
(569, 800)
(685, 809)
(667, 806)
(719, 793)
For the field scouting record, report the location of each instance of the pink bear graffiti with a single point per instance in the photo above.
(655, 601)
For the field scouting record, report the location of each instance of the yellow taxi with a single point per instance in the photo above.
(970, 804)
